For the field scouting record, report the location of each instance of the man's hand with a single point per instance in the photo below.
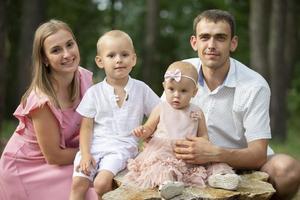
(195, 150)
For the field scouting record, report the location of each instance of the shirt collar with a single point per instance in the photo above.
(230, 80)
(126, 88)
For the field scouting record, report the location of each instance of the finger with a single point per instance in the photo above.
(183, 143)
(192, 138)
(184, 157)
(182, 150)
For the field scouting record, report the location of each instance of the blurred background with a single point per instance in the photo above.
(268, 33)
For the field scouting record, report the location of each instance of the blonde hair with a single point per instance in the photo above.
(186, 69)
(114, 34)
(40, 76)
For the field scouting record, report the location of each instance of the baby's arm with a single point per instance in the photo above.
(202, 129)
(149, 127)
(86, 131)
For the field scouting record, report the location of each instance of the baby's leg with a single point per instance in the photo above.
(103, 182)
(80, 186)
(221, 175)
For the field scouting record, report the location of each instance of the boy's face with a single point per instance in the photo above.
(116, 57)
(179, 94)
(213, 42)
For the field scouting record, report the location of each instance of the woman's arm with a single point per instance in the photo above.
(48, 137)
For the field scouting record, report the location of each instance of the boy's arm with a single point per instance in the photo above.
(86, 131)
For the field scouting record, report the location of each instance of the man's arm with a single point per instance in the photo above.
(199, 151)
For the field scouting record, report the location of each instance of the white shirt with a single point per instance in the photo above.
(113, 124)
(237, 112)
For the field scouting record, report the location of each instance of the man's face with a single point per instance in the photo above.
(213, 43)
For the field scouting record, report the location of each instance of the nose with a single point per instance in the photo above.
(211, 43)
(119, 58)
(176, 94)
(67, 53)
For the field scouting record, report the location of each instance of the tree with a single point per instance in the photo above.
(2, 60)
(32, 15)
(273, 54)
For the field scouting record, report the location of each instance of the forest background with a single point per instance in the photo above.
(268, 30)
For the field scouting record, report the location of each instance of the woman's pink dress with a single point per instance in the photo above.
(24, 173)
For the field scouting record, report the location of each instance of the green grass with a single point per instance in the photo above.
(292, 145)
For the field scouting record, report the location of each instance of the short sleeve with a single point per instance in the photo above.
(257, 119)
(34, 101)
(150, 101)
(87, 106)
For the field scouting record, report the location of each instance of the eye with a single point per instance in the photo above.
(55, 50)
(70, 44)
(183, 90)
(111, 55)
(125, 54)
(221, 37)
(204, 37)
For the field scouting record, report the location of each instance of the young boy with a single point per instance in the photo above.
(111, 109)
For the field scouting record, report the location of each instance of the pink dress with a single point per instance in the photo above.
(157, 162)
(24, 173)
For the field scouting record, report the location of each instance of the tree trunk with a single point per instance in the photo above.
(32, 15)
(149, 60)
(278, 69)
(2, 61)
(259, 30)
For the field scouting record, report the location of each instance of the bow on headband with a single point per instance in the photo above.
(176, 75)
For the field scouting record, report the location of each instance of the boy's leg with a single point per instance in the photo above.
(103, 182)
(284, 172)
(80, 186)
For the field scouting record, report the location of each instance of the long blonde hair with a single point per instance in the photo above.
(40, 76)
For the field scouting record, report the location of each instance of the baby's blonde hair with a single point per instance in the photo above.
(186, 69)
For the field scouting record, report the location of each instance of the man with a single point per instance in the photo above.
(235, 101)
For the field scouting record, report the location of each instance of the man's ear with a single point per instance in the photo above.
(193, 42)
(98, 61)
(234, 43)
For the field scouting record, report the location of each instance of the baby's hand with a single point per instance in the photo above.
(139, 131)
(195, 115)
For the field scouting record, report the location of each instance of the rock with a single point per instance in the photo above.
(252, 186)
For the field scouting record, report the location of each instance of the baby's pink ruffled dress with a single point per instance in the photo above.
(157, 162)
(24, 173)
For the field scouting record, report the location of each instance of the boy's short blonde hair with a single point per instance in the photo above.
(113, 34)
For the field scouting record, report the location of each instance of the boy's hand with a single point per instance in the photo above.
(86, 163)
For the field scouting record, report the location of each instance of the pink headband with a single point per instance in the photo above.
(176, 75)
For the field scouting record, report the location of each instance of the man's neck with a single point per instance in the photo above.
(214, 77)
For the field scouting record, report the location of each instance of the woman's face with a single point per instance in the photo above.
(61, 52)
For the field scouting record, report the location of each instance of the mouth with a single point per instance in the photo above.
(68, 62)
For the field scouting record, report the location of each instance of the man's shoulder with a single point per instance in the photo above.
(194, 61)
(248, 77)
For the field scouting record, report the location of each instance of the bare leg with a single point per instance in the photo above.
(284, 172)
(103, 182)
(80, 186)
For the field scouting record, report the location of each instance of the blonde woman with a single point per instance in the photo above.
(37, 161)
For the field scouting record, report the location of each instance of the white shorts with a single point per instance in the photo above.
(113, 162)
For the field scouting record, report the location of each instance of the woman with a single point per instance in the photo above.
(37, 161)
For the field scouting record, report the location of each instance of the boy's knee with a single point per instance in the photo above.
(102, 186)
(80, 185)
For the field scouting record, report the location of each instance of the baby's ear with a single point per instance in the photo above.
(195, 91)
(98, 61)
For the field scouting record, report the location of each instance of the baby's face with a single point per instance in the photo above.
(179, 94)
